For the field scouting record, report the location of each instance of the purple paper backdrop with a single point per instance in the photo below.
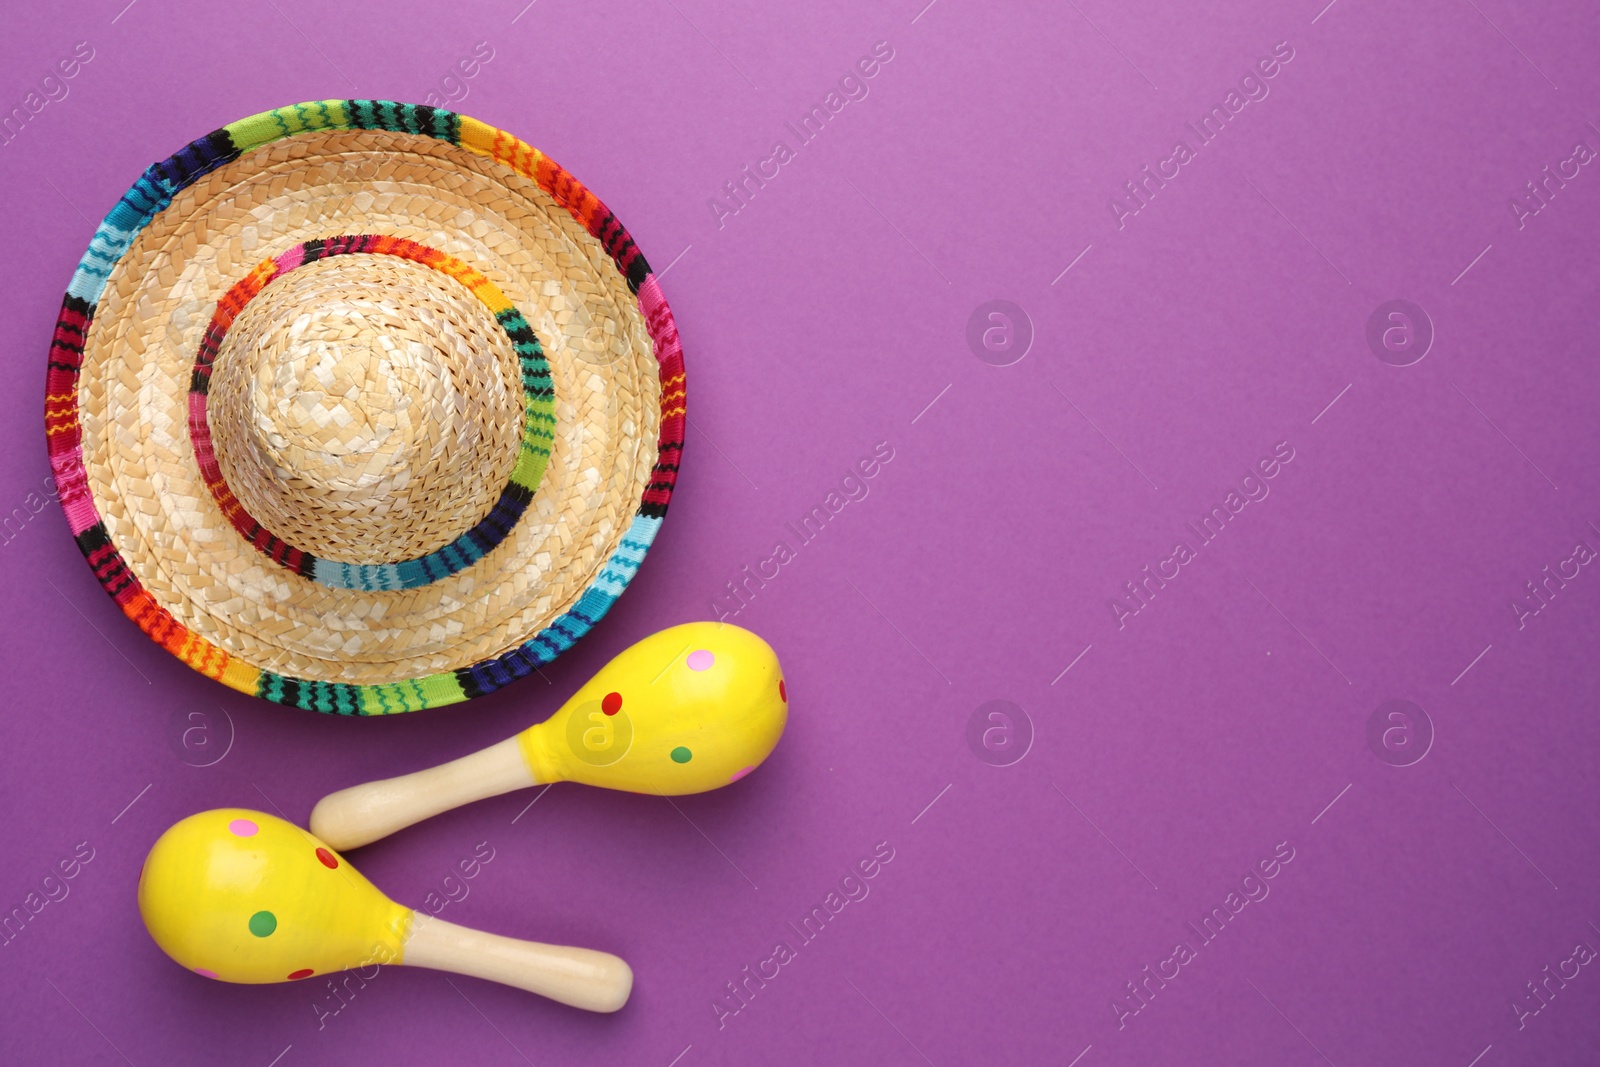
(1231, 712)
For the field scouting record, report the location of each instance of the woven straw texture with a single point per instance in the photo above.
(437, 393)
(364, 407)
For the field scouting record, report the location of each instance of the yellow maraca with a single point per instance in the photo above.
(243, 896)
(685, 710)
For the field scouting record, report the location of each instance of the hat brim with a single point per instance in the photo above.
(172, 561)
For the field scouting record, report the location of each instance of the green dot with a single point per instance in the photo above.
(681, 755)
(262, 923)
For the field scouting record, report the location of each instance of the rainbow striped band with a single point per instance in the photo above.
(153, 191)
(538, 430)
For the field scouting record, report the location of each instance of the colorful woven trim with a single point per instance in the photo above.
(538, 430)
(154, 191)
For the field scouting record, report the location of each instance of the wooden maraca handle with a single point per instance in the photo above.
(364, 813)
(581, 977)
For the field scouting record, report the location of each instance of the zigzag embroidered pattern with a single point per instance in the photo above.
(149, 195)
(465, 550)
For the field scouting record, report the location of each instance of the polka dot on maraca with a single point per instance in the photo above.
(243, 827)
(327, 858)
(202, 972)
(304, 972)
(681, 755)
(612, 703)
(783, 691)
(701, 660)
(262, 923)
(740, 774)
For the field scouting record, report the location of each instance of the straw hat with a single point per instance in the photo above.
(363, 407)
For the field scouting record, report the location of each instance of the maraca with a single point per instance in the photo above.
(243, 896)
(685, 710)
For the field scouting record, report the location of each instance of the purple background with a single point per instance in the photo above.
(825, 317)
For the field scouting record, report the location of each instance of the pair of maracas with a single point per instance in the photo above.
(243, 896)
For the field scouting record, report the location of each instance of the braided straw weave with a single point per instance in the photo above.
(364, 407)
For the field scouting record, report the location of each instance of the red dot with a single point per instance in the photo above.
(327, 859)
(304, 972)
(783, 692)
(612, 703)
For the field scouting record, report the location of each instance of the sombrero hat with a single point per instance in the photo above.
(363, 407)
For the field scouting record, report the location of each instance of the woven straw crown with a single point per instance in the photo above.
(363, 407)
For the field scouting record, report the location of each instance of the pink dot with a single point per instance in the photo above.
(206, 974)
(243, 827)
(701, 660)
(741, 774)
